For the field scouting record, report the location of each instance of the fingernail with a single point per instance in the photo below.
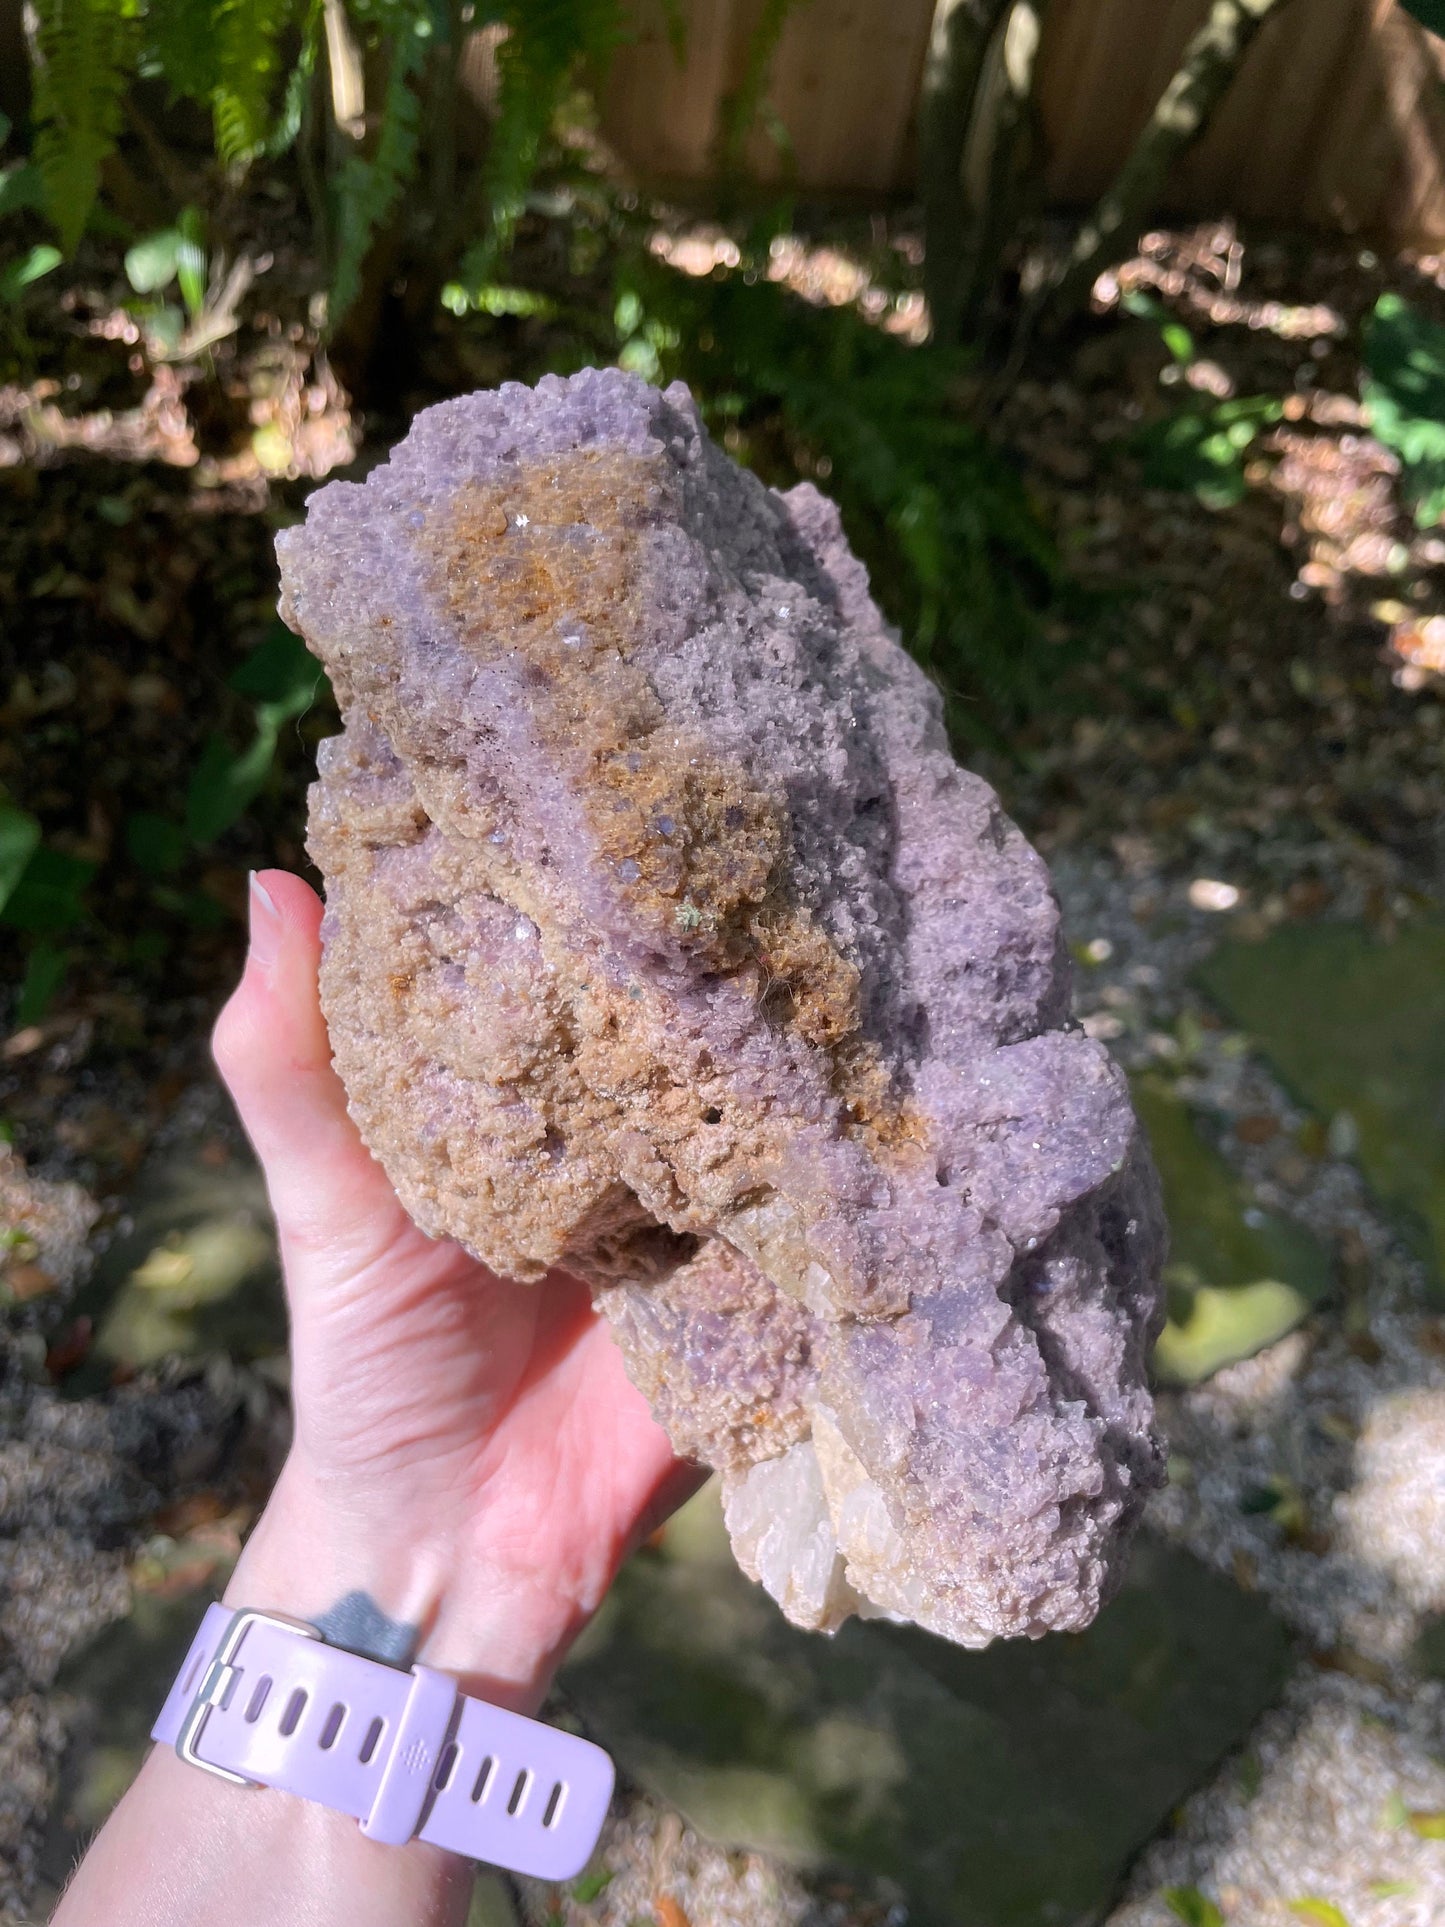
(265, 926)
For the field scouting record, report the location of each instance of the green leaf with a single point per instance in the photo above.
(1178, 340)
(298, 85)
(45, 970)
(1204, 449)
(191, 261)
(1404, 394)
(228, 55)
(19, 840)
(282, 671)
(35, 262)
(545, 40)
(21, 188)
(151, 264)
(48, 899)
(88, 51)
(1320, 1913)
(283, 679)
(1192, 1907)
(157, 844)
(225, 782)
(368, 190)
(588, 1887)
(1429, 1826)
(174, 253)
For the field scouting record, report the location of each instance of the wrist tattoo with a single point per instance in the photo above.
(358, 1623)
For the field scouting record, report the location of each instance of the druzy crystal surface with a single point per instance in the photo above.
(666, 942)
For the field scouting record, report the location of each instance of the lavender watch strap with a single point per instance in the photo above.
(264, 1701)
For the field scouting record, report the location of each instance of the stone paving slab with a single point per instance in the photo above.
(1007, 1788)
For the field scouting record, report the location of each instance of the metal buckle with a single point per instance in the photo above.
(212, 1689)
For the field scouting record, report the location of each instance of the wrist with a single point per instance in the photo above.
(387, 1588)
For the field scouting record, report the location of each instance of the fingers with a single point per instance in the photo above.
(332, 1201)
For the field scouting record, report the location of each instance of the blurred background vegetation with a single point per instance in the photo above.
(408, 197)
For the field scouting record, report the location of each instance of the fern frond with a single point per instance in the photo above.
(744, 105)
(180, 45)
(86, 51)
(545, 39)
(248, 61)
(229, 55)
(288, 122)
(368, 190)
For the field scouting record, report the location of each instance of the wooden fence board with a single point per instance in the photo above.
(1335, 119)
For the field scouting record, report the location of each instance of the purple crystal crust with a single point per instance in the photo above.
(666, 941)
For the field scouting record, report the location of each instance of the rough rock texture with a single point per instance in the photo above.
(666, 941)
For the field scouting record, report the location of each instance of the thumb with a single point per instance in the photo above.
(335, 1209)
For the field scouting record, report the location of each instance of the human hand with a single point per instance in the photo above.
(470, 1463)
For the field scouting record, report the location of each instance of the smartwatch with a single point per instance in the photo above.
(263, 1701)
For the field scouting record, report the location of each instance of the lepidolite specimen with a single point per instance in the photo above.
(665, 941)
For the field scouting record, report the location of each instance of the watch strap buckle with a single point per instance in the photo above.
(218, 1684)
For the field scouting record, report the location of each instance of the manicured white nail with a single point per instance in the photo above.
(265, 926)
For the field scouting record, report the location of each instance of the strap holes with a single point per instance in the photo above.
(372, 1741)
(483, 1780)
(334, 1721)
(258, 1700)
(447, 1766)
(295, 1707)
(520, 1791)
(554, 1805)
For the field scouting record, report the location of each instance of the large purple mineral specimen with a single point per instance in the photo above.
(666, 942)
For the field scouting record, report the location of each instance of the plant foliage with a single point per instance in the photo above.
(1203, 448)
(370, 187)
(1404, 391)
(254, 64)
(282, 680)
(229, 55)
(1192, 1907)
(544, 41)
(86, 52)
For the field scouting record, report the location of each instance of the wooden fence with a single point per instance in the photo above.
(1336, 118)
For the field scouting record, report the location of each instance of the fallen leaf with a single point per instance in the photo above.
(1192, 1907)
(28, 1281)
(1323, 1913)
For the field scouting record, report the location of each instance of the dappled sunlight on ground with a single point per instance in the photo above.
(827, 277)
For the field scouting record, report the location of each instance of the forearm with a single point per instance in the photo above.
(184, 1848)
